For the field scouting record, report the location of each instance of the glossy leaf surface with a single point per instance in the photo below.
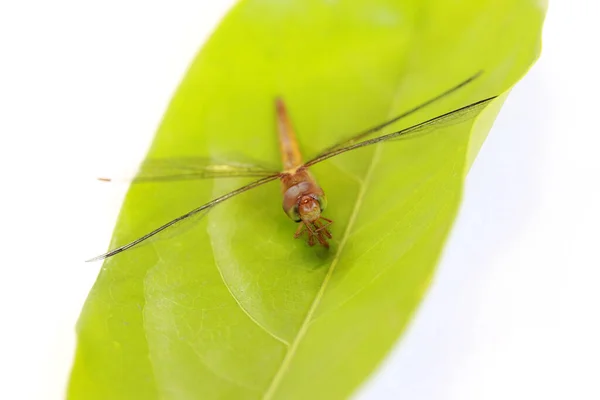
(231, 306)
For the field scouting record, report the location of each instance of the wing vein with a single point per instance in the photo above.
(204, 207)
(452, 116)
(411, 111)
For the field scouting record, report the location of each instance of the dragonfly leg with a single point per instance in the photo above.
(323, 240)
(323, 227)
(320, 233)
(300, 230)
(317, 232)
(311, 234)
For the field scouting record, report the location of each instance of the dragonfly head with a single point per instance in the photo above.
(302, 203)
(309, 209)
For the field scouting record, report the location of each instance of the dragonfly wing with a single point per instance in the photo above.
(459, 115)
(199, 211)
(192, 168)
(362, 135)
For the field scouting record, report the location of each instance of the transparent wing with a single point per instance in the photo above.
(191, 168)
(358, 137)
(199, 211)
(450, 118)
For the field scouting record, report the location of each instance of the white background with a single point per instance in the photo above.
(514, 311)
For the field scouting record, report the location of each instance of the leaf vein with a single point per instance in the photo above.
(239, 303)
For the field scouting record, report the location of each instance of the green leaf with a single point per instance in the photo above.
(231, 306)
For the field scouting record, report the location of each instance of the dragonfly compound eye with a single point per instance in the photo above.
(322, 202)
(293, 213)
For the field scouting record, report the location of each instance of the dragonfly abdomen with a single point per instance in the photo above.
(290, 151)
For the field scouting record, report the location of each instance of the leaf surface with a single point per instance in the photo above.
(230, 305)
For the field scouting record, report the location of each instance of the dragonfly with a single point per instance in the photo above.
(304, 201)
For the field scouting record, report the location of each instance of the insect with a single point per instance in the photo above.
(303, 199)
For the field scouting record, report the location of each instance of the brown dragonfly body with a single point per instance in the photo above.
(303, 198)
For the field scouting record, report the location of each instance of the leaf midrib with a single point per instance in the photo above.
(273, 386)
